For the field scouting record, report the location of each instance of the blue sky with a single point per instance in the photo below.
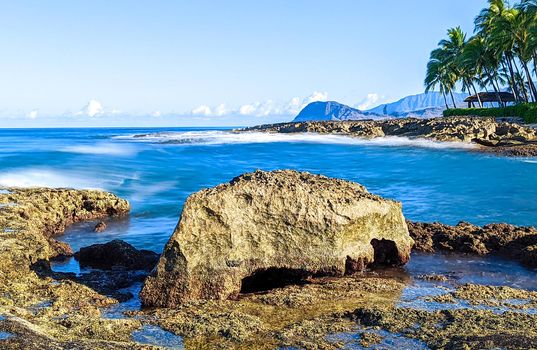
(180, 63)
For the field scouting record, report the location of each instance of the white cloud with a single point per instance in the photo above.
(368, 102)
(156, 114)
(297, 104)
(202, 110)
(247, 109)
(92, 109)
(220, 110)
(32, 114)
(262, 109)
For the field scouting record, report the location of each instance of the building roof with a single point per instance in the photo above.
(492, 97)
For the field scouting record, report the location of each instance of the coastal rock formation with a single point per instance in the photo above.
(272, 228)
(514, 242)
(31, 218)
(484, 131)
(37, 309)
(116, 253)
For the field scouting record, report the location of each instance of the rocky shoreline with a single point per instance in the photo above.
(40, 308)
(488, 134)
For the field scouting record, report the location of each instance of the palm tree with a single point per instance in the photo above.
(438, 75)
(484, 61)
(452, 50)
(502, 50)
(511, 33)
(485, 23)
(530, 9)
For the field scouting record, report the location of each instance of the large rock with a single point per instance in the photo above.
(274, 227)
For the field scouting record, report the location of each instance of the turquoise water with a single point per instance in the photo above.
(158, 169)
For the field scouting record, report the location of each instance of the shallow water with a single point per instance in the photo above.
(153, 335)
(390, 340)
(5, 335)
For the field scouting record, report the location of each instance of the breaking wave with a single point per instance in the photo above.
(227, 137)
(44, 177)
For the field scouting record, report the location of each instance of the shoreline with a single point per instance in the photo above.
(489, 135)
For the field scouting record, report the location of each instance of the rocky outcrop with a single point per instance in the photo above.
(114, 254)
(30, 218)
(514, 242)
(37, 308)
(269, 226)
(486, 132)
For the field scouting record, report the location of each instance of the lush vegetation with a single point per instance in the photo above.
(501, 55)
(528, 111)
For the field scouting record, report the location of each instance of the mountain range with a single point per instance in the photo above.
(424, 105)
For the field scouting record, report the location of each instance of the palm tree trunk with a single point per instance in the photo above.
(477, 94)
(500, 102)
(530, 81)
(523, 87)
(453, 99)
(535, 63)
(512, 74)
(445, 99)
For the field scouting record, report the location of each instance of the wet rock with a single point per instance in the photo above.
(59, 250)
(116, 253)
(520, 150)
(454, 328)
(100, 227)
(42, 311)
(433, 277)
(274, 225)
(290, 317)
(36, 215)
(514, 242)
(501, 137)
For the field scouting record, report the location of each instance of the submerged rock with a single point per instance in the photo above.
(116, 253)
(279, 227)
(100, 227)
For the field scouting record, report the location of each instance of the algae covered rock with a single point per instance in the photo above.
(266, 229)
(31, 218)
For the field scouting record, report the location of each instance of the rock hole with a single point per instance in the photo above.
(386, 253)
(266, 279)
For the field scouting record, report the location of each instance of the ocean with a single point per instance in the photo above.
(157, 169)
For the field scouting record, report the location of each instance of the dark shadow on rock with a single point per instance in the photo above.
(266, 279)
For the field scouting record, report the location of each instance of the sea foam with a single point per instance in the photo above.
(112, 149)
(226, 137)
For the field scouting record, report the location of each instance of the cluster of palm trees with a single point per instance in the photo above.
(502, 54)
